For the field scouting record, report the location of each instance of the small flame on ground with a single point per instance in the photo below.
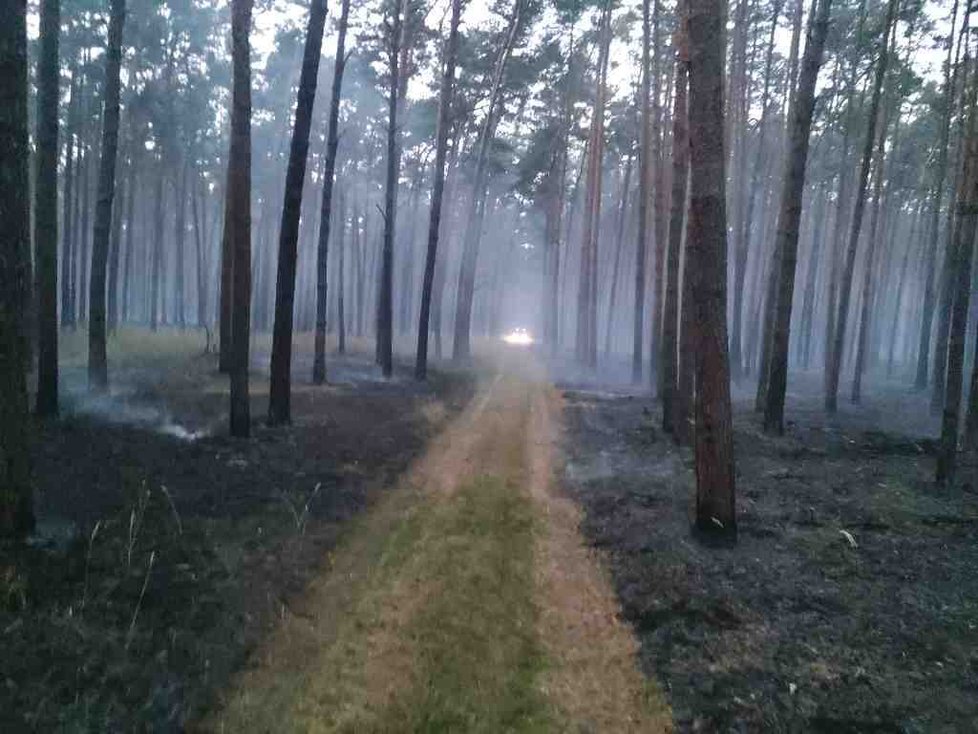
(518, 337)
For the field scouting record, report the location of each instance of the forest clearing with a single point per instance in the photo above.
(518, 365)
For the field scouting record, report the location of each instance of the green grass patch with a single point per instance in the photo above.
(476, 650)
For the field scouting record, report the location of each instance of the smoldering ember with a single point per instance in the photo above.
(489, 366)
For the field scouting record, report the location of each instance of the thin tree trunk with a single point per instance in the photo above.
(98, 372)
(966, 219)
(438, 190)
(239, 215)
(800, 111)
(674, 414)
(280, 382)
(46, 209)
(937, 198)
(329, 175)
(644, 186)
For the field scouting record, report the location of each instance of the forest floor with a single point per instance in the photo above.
(850, 602)
(481, 553)
(168, 551)
(464, 601)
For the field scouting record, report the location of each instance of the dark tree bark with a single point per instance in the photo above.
(965, 225)
(199, 250)
(644, 186)
(16, 507)
(789, 218)
(936, 199)
(156, 273)
(707, 253)
(835, 362)
(239, 215)
(674, 417)
(438, 190)
(227, 286)
(181, 172)
(385, 305)
(115, 252)
(67, 253)
(98, 371)
(280, 382)
(46, 210)
(329, 175)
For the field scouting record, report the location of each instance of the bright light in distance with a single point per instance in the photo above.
(518, 337)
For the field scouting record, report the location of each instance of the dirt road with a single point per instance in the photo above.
(465, 601)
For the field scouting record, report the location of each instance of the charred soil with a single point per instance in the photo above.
(850, 602)
(167, 551)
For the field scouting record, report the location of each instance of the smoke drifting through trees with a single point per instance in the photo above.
(560, 137)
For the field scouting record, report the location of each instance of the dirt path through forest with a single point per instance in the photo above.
(466, 600)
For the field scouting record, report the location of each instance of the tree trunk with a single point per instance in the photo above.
(67, 229)
(239, 215)
(158, 232)
(586, 344)
(789, 217)
(438, 190)
(385, 303)
(46, 209)
(16, 507)
(835, 363)
(940, 175)
(966, 219)
(98, 372)
(280, 382)
(644, 185)
(707, 250)
(619, 246)
(674, 415)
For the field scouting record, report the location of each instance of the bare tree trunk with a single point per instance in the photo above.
(619, 243)
(46, 209)
(385, 305)
(239, 216)
(438, 190)
(835, 364)
(966, 219)
(67, 229)
(644, 186)
(707, 252)
(157, 257)
(940, 175)
(98, 373)
(329, 176)
(280, 381)
(674, 413)
(179, 240)
(800, 111)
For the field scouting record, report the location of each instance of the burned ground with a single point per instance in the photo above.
(171, 550)
(850, 602)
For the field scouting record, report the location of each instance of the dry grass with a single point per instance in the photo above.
(464, 602)
(594, 678)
